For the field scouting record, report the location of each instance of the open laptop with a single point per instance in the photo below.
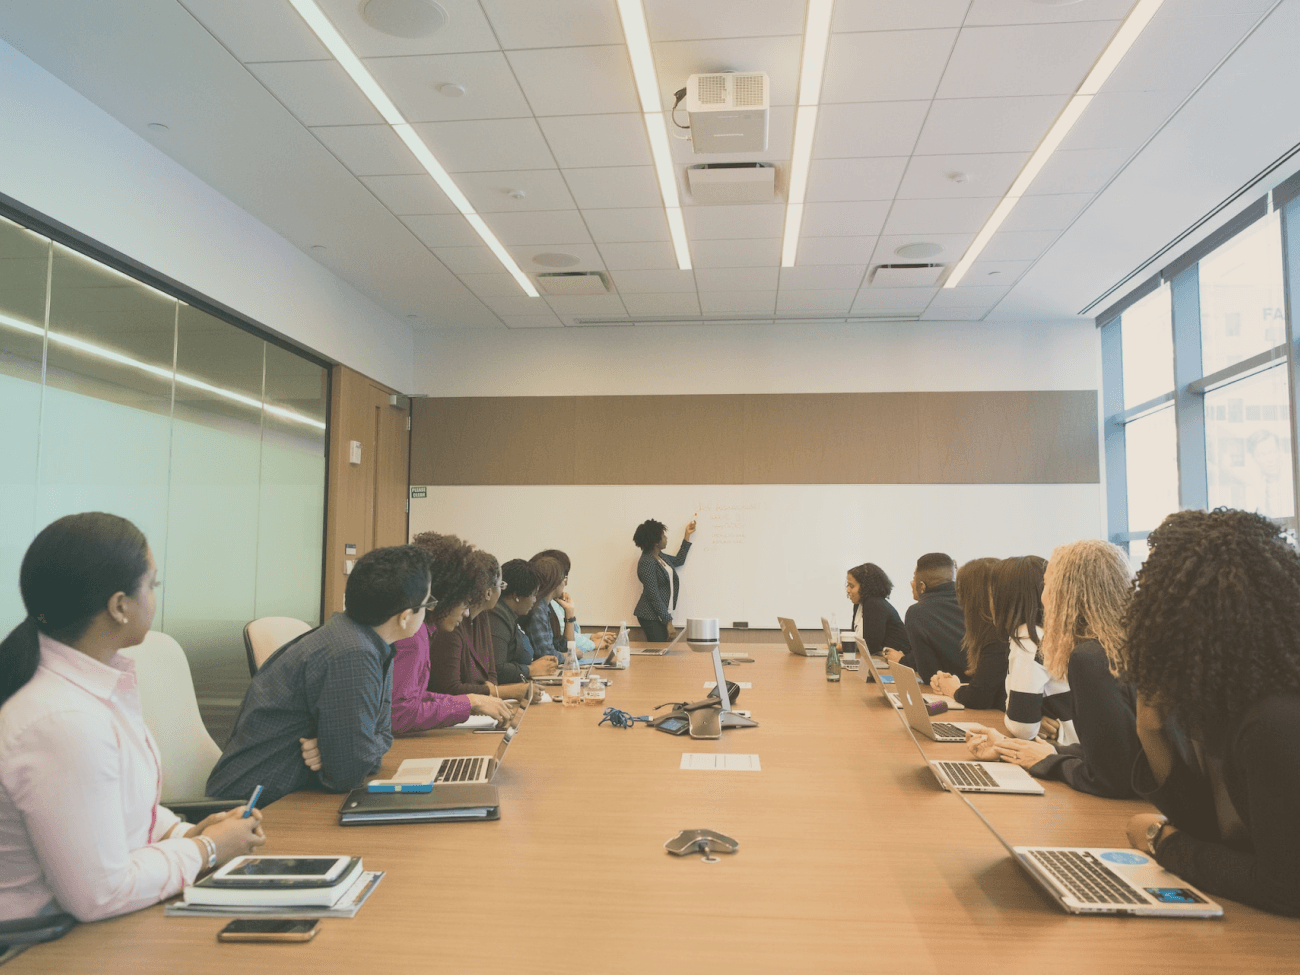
(908, 691)
(794, 642)
(462, 769)
(888, 686)
(658, 651)
(1093, 880)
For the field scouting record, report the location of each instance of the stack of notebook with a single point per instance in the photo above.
(281, 886)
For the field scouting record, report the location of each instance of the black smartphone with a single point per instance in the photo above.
(270, 929)
(674, 725)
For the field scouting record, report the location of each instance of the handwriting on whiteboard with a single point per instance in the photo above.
(722, 525)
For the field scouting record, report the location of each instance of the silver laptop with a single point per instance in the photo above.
(1093, 880)
(462, 769)
(794, 642)
(659, 651)
(887, 686)
(908, 691)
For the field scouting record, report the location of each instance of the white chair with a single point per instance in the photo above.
(264, 636)
(171, 713)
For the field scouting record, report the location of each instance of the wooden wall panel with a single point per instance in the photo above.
(1030, 437)
(658, 440)
(493, 440)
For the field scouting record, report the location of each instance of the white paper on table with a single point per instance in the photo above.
(720, 762)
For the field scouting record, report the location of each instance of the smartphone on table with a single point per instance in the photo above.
(269, 929)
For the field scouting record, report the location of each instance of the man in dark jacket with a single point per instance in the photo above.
(934, 622)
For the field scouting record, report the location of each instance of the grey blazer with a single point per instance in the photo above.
(653, 604)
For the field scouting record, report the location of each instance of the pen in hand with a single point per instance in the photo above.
(252, 802)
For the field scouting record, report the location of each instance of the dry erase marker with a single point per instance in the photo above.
(248, 810)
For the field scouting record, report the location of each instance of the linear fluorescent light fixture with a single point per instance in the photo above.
(328, 34)
(816, 35)
(1119, 45)
(637, 37)
(160, 372)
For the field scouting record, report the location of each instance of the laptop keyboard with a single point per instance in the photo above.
(1085, 877)
(946, 730)
(461, 769)
(968, 774)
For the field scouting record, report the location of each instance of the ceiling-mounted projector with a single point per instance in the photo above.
(728, 111)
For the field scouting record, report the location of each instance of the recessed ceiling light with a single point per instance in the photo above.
(924, 249)
(158, 126)
(404, 18)
(959, 177)
(451, 90)
(551, 259)
(516, 194)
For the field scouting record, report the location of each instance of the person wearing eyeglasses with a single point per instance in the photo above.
(332, 686)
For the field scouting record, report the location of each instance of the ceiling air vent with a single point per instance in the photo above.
(905, 275)
(574, 282)
(732, 182)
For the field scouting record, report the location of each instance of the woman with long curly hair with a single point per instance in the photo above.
(983, 642)
(874, 618)
(1214, 655)
(1086, 591)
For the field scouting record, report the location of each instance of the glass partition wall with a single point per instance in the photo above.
(117, 397)
(1200, 393)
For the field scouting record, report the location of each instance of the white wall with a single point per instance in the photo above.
(64, 157)
(887, 357)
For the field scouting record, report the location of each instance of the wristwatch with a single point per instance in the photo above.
(1153, 834)
(570, 619)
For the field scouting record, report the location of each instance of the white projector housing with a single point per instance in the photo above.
(728, 111)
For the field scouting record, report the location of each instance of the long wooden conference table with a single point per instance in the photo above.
(851, 859)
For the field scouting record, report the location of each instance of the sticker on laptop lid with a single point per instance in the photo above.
(1121, 856)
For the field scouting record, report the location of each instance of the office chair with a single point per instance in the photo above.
(171, 713)
(264, 636)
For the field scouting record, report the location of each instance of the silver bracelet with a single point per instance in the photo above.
(210, 845)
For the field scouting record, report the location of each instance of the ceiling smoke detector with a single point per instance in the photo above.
(404, 18)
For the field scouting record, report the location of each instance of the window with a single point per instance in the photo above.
(1148, 338)
(1241, 296)
(1151, 444)
(1248, 445)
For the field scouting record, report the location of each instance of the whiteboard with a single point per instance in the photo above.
(760, 550)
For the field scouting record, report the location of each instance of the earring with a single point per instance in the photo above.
(123, 620)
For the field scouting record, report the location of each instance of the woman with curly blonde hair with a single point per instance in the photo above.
(1086, 592)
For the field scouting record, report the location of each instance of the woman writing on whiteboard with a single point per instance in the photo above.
(658, 574)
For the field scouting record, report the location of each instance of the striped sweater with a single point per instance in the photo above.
(1032, 692)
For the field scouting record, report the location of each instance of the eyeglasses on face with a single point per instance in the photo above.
(430, 603)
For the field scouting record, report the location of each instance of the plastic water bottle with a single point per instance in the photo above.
(570, 681)
(621, 656)
(594, 692)
(833, 657)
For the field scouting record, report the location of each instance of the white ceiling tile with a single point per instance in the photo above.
(412, 83)
(1019, 245)
(654, 282)
(468, 260)
(543, 189)
(990, 273)
(500, 285)
(954, 246)
(780, 137)
(991, 12)
(1036, 59)
(977, 125)
(898, 16)
(577, 80)
(555, 23)
(727, 222)
(409, 194)
(988, 174)
(822, 301)
(624, 226)
(833, 180)
(587, 306)
(487, 144)
(885, 66)
(1078, 170)
(581, 141)
(517, 305)
(736, 278)
(1209, 8)
(317, 92)
(538, 227)
(1177, 52)
(973, 314)
(662, 304)
(254, 30)
(844, 219)
(443, 230)
(675, 61)
(868, 129)
(614, 186)
(877, 300)
(587, 255)
(1122, 120)
(737, 302)
(466, 30)
(1046, 212)
(968, 297)
(531, 321)
(830, 277)
(685, 19)
(736, 253)
(835, 250)
(636, 257)
(368, 150)
(943, 216)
